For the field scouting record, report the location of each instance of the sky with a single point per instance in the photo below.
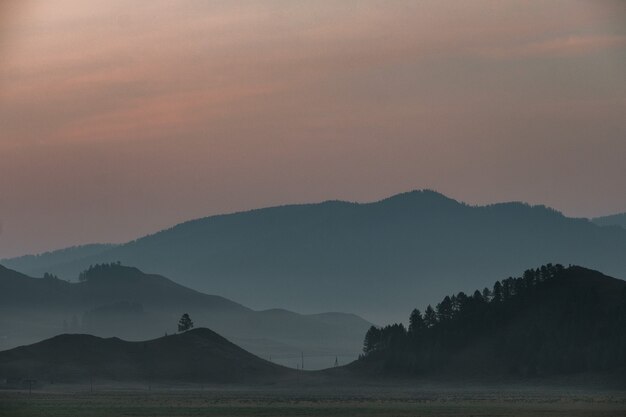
(119, 118)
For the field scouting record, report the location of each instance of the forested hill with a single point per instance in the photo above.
(550, 321)
(373, 259)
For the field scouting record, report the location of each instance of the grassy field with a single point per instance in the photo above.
(313, 402)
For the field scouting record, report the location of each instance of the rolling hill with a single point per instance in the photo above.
(120, 301)
(377, 259)
(565, 325)
(198, 355)
(550, 321)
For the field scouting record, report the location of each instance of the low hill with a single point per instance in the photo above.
(376, 259)
(551, 321)
(613, 220)
(121, 301)
(199, 355)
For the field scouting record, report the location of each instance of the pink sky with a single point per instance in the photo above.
(120, 118)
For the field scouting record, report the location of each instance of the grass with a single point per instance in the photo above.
(305, 402)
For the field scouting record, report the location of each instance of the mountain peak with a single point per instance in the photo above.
(346, 256)
(421, 197)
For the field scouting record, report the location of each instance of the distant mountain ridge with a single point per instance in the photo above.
(120, 301)
(105, 284)
(32, 264)
(565, 325)
(612, 220)
(410, 248)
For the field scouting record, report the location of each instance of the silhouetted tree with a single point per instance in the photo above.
(487, 294)
(430, 317)
(185, 323)
(372, 340)
(461, 300)
(497, 292)
(507, 290)
(444, 309)
(416, 323)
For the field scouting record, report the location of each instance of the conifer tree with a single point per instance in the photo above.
(185, 323)
(430, 317)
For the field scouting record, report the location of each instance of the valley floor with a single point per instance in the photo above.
(312, 401)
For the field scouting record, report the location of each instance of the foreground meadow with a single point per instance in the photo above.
(327, 402)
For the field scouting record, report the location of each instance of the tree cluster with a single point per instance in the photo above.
(539, 323)
(98, 269)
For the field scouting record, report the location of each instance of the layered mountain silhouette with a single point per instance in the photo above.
(199, 355)
(612, 220)
(37, 265)
(377, 259)
(549, 321)
(120, 301)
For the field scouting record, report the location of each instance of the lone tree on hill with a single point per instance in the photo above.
(185, 323)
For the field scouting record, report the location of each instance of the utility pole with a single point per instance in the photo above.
(30, 382)
(302, 367)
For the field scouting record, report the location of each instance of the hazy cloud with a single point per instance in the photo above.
(572, 45)
(119, 118)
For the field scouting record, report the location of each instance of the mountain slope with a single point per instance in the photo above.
(550, 321)
(199, 355)
(376, 259)
(115, 300)
(613, 220)
(38, 264)
(105, 284)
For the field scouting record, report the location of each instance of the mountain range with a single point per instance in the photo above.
(120, 301)
(551, 322)
(376, 259)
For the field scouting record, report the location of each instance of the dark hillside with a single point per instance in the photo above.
(199, 355)
(550, 321)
